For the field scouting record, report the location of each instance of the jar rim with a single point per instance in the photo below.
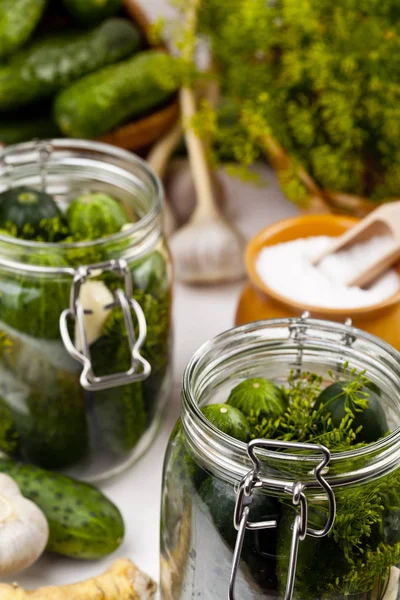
(384, 453)
(62, 144)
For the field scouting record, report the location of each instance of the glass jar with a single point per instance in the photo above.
(309, 524)
(69, 399)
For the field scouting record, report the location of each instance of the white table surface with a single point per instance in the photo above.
(199, 314)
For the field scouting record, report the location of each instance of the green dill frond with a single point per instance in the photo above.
(353, 384)
(302, 422)
(370, 570)
(358, 512)
(323, 79)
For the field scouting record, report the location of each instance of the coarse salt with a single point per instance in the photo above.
(288, 270)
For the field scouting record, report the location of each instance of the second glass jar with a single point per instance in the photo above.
(348, 503)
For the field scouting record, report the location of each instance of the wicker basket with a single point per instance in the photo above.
(142, 133)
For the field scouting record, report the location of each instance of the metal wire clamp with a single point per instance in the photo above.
(140, 368)
(244, 498)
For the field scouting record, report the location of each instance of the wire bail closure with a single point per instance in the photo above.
(140, 368)
(253, 481)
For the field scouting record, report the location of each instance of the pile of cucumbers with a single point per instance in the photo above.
(76, 68)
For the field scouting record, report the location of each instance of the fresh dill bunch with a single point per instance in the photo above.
(321, 77)
(303, 422)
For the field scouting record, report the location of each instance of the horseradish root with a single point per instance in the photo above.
(123, 581)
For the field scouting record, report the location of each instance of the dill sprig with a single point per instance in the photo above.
(302, 422)
(357, 513)
(353, 386)
(369, 571)
(49, 230)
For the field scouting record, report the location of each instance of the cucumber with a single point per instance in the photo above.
(88, 11)
(33, 304)
(258, 397)
(320, 560)
(99, 102)
(96, 215)
(259, 549)
(83, 523)
(229, 420)
(18, 19)
(14, 131)
(372, 419)
(52, 63)
(23, 206)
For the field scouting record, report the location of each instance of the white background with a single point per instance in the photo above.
(199, 314)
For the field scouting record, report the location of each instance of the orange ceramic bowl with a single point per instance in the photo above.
(258, 301)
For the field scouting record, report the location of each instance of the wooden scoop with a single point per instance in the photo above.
(383, 220)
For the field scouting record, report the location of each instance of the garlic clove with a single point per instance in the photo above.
(94, 296)
(24, 530)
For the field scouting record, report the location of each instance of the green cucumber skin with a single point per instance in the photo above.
(103, 100)
(18, 19)
(14, 131)
(52, 63)
(373, 420)
(89, 11)
(83, 523)
(26, 206)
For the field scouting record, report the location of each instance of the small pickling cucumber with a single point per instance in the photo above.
(15, 130)
(52, 63)
(259, 549)
(88, 11)
(18, 19)
(33, 304)
(22, 206)
(258, 397)
(96, 215)
(119, 413)
(229, 420)
(83, 523)
(99, 102)
(320, 561)
(372, 419)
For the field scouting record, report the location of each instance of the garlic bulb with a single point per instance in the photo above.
(207, 251)
(94, 296)
(23, 529)
(208, 248)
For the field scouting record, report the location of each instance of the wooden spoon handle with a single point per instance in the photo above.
(162, 151)
(202, 180)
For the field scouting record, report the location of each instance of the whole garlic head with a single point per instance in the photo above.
(24, 530)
